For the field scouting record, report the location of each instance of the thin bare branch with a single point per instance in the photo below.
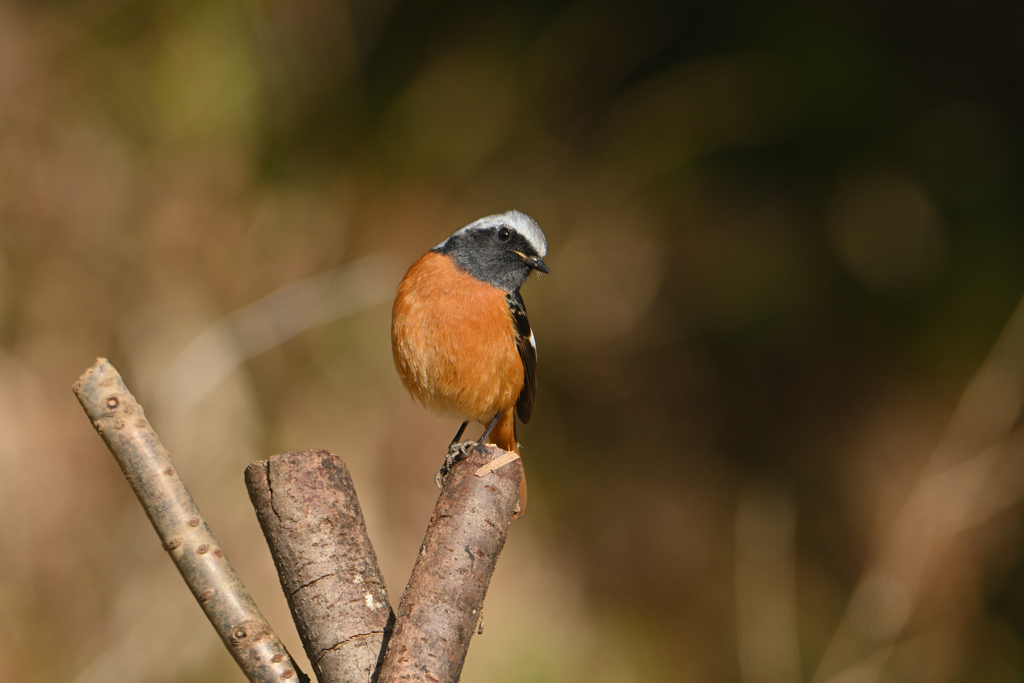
(981, 435)
(766, 614)
(119, 419)
(310, 515)
(215, 353)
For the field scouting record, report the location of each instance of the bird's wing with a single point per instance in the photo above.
(527, 348)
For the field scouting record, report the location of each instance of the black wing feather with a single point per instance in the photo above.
(527, 352)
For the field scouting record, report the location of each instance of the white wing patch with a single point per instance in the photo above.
(533, 342)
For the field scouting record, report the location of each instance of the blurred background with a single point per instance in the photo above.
(776, 433)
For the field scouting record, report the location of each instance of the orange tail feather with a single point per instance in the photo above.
(504, 436)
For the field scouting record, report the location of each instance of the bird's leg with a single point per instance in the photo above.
(455, 446)
(456, 452)
(490, 428)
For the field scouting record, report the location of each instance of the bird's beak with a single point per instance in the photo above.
(535, 263)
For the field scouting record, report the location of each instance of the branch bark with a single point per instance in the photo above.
(443, 601)
(311, 518)
(119, 419)
(310, 515)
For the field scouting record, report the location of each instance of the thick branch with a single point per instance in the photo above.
(442, 604)
(146, 464)
(311, 518)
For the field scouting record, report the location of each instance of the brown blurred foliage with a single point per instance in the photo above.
(783, 240)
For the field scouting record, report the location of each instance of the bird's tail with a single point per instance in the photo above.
(504, 436)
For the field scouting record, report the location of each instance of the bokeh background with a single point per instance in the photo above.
(776, 432)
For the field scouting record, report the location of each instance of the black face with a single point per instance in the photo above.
(497, 255)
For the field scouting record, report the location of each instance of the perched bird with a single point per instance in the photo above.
(459, 332)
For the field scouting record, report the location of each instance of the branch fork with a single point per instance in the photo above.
(310, 515)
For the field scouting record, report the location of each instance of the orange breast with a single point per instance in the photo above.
(453, 341)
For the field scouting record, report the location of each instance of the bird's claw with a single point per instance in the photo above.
(456, 452)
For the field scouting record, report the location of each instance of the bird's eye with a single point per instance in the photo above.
(504, 234)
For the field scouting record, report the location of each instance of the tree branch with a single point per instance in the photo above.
(443, 602)
(310, 515)
(119, 419)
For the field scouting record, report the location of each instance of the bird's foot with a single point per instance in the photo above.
(456, 452)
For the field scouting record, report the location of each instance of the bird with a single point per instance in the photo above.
(461, 339)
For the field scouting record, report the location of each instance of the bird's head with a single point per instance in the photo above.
(501, 250)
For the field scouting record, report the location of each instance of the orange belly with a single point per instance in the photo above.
(454, 341)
